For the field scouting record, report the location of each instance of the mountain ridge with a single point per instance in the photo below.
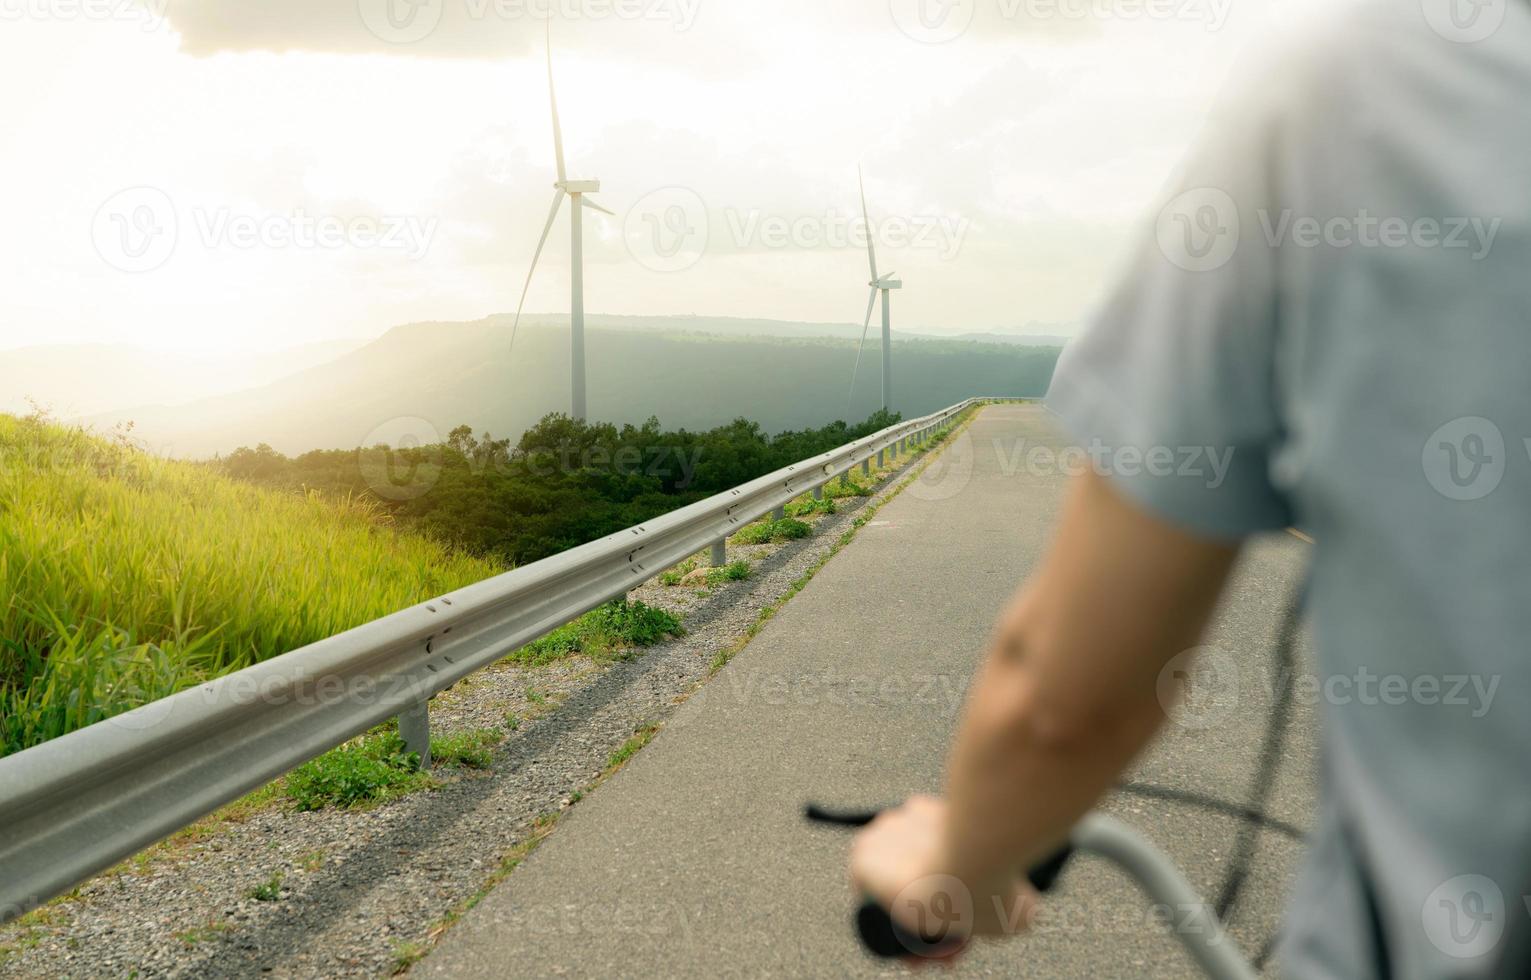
(434, 376)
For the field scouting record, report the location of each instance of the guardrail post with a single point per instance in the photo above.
(779, 514)
(720, 553)
(818, 493)
(866, 467)
(415, 730)
(880, 458)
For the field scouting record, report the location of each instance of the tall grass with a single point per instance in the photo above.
(125, 578)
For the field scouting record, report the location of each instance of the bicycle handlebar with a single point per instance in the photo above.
(1200, 932)
(885, 938)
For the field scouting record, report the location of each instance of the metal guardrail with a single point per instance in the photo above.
(76, 805)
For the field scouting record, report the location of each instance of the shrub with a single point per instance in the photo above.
(676, 575)
(267, 891)
(609, 631)
(763, 532)
(369, 769)
(803, 508)
(734, 571)
(840, 489)
(472, 749)
(788, 529)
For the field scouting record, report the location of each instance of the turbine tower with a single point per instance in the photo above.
(879, 284)
(576, 191)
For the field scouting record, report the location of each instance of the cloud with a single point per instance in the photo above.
(423, 28)
(723, 35)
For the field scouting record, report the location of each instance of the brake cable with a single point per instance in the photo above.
(1252, 815)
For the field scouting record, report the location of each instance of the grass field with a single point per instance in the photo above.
(125, 578)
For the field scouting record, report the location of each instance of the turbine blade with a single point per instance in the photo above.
(867, 219)
(553, 98)
(587, 202)
(552, 217)
(871, 304)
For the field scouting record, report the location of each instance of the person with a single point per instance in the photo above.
(1338, 293)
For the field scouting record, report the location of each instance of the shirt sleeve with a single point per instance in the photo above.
(1170, 390)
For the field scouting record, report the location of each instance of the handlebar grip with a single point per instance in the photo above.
(883, 937)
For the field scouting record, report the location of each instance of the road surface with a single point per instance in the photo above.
(694, 860)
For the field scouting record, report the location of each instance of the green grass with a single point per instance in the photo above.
(612, 631)
(734, 571)
(269, 890)
(808, 506)
(30, 929)
(839, 489)
(630, 748)
(406, 955)
(674, 576)
(370, 769)
(766, 531)
(376, 768)
(471, 749)
(204, 933)
(125, 578)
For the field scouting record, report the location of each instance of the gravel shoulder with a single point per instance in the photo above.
(366, 892)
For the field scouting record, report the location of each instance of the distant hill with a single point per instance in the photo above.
(454, 373)
(1015, 339)
(86, 379)
(1033, 334)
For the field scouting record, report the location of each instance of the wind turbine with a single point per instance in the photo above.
(576, 191)
(879, 284)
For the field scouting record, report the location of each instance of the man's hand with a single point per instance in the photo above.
(900, 862)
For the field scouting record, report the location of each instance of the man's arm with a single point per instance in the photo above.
(1067, 698)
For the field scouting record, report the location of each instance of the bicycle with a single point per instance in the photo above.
(1201, 932)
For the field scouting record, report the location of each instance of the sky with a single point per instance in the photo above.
(221, 175)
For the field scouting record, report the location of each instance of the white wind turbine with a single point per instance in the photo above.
(882, 284)
(576, 190)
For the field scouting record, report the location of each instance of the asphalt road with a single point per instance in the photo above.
(694, 860)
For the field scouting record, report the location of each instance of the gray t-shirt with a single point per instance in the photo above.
(1338, 294)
